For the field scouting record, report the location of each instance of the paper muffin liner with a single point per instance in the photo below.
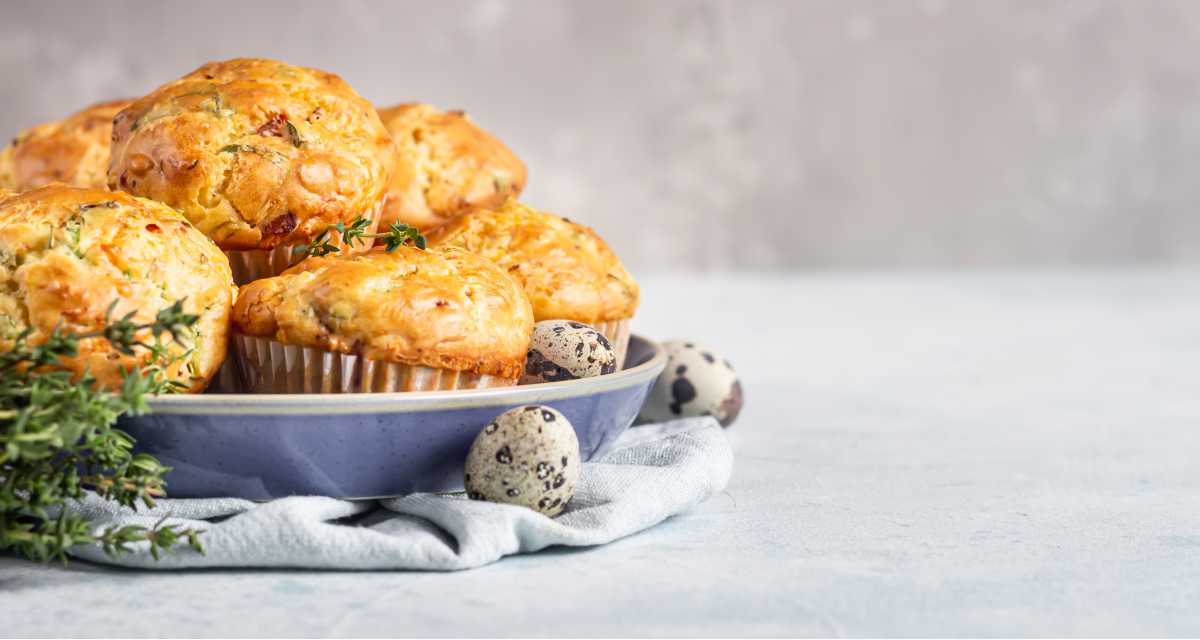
(226, 379)
(617, 332)
(253, 264)
(269, 366)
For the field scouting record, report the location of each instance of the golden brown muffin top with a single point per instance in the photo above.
(440, 308)
(568, 271)
(67, 253)
(256, 153)
(445, 166)
(73, 150)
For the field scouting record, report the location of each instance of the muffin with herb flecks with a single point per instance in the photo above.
(259, 155)
(568, 272)
(73, 150)
(446, 165)
(73, 258)
(400, 320)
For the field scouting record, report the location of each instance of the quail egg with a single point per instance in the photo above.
(566, 350)
(527, 456)
(695, 382)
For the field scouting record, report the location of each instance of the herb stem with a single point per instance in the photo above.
(58, 437)
(396, 236)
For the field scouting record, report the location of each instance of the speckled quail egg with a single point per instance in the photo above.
(527, 456)
(566, 350)
(695, 382)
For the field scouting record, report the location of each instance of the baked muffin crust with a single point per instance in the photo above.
(442, 308)
(568, 272)
(256, 153)
(445, 166)
(73, 150)
(67, 253)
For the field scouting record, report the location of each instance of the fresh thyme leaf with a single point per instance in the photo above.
(357, 229)
(397, 235)
(58, 439)
(236, 148)
(319, 246)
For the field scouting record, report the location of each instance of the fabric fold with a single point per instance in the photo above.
(653, 473)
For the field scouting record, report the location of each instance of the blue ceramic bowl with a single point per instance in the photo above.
(365, 445)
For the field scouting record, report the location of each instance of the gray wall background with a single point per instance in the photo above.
(738, 134)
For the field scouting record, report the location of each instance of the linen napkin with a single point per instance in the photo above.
(653, 473)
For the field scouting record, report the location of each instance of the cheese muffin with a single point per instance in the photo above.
(73, 150)
(568, 271)
(73, 257)
(406, 320)
(445, 166)
(259, 155)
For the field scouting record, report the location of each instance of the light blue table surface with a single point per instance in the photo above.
(922, 453)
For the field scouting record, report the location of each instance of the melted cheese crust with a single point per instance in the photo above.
(73, 150)
(256, 153)
(67, 254)
(443, 308)
(445, 166)
(568, 271)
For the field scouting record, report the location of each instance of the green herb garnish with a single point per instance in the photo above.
(216, 103)
(269, 154)
(293, 134)
(107, 204)
(74, 228)
(58, 440)
(396, 236)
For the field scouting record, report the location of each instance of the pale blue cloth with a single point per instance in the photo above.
(653, 473)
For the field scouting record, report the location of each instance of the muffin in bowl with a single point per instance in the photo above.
(405, 320)
(75, 257)
(73, 151)
(445, 166)
(568, 272)
(261, 156)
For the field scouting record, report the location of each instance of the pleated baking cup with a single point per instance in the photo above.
(269, 366)
(617, 332)
(227, 379)
(253, 264)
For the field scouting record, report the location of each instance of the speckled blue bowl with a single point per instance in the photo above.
(366, 445)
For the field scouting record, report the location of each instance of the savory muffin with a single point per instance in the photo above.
(445, 166)
(73, 257)
(568, 272)
(259, 155)
(409, 319)
(73, 150)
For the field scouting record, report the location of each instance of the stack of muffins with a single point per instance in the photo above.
(215, 188)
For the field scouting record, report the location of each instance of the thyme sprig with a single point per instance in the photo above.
(397, 235)
(58, 439)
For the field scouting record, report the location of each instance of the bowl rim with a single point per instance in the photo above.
(392, 401)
